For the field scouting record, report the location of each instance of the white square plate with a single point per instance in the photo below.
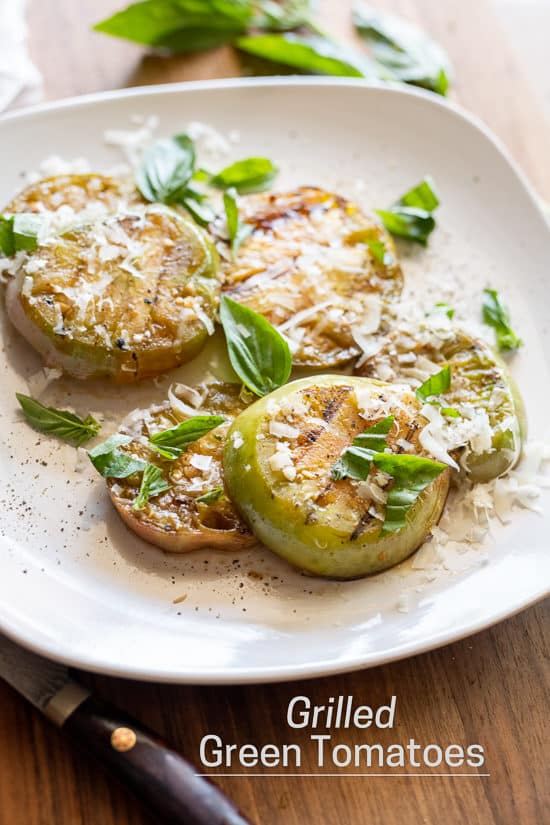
(78, 587)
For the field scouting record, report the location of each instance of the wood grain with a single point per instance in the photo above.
(491, 688)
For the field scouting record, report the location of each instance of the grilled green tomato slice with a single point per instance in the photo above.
(178, 520)
(76, 192)
(320, 269)
(485, 438)
(278, 458)
(130, 296)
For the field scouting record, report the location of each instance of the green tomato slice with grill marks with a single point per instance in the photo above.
(129, 296)
(278, 462)
(488, 424)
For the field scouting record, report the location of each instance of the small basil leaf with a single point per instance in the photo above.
(412, 224)
(496, 315)
(450, 412)
(211, 496)
(436, 384)
(19, 232)
(238, 231)
(64, 424)
(26, 228)
(356, 461)
(7, 241)
(411, 475)
(403, 50)
(166, 168)
(258, 352)
(309, 54)
(172, 442)
(180, 25)
(249, 175)
(421, 196)
(411, 216)
(111, 462)
(152, 484)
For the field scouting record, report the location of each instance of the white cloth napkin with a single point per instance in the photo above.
(20, 81)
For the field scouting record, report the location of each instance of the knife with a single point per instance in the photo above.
(165, 782)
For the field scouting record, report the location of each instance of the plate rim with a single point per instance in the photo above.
(259, 674)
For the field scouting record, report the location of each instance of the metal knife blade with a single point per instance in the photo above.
(47, 685)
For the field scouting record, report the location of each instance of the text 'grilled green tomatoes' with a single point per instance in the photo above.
(479, 420)
(128, 296)
(195, 511)
(278, 465)
(77, 192)
(318, 268)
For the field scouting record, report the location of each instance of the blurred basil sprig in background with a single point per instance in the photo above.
(287, 35)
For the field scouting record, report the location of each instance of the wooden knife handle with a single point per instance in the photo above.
(158, 776)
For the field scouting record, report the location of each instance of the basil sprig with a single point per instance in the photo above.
(496, 315)
(436, 384)
(180, 25)
(64, 424)
(249, 175)
(211, 496)
(19, 232)
(237, 230)
(411, 475)
(172, 442)
(411, 216)
(403, 51)
(166, 173)
(258, 352)
(355, 461)
(152, 484)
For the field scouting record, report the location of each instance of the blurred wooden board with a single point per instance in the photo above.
(492, 688)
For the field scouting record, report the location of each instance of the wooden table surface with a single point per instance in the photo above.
(491, 688)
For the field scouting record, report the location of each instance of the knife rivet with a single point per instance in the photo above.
(123, 739)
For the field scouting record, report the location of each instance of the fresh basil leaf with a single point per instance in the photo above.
(172, 442)
(307, 53)
(7, 241)
(436, 384)
(64, 424)
(152, 484)
(412, 224)
(411, 475)
(237, 230)
(19, 232)
(249, 175)
(356, 461)
(450, 412)
(258, 352)
(496, 315)
(421, 196)
(111, 462)
(166, 168)
(378, 250)
(403, 50)
(180, 25)
(26, 227)
(211, 496)
(410, 217)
